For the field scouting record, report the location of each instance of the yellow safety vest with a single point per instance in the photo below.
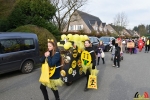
(147, 42)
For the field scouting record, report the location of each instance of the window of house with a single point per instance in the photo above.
(71, 27)
(79, 27)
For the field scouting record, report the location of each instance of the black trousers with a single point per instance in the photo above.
(99, 60)
(117, 60)
(45, 94)
(87, 76)
(133, 50)
(147, 47)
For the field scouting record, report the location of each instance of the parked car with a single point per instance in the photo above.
(18, 51)
(95, 42)
(107, 42)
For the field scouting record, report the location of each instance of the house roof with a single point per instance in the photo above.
(92, 22)
(89, 19)
(130, 32)
(103, 24)
(110, 27)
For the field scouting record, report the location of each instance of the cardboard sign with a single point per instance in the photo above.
(130, 45)
(92, 82)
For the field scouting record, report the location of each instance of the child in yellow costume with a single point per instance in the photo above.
(54, 61)
(88, 58)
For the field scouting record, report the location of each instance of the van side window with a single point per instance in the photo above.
(14, 45)
(28, 44)
(10, 45)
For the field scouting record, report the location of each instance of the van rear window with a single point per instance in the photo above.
(14, 45)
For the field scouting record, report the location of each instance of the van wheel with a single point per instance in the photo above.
(27, 67)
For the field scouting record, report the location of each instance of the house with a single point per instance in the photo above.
(104, 28)
(133, 33)
(136, 34)
(111, 29)
(84, 21)
(125, 32)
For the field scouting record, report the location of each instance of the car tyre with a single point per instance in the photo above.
(27, 67)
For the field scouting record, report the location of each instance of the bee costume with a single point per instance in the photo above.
(88, 58)
(54, 63)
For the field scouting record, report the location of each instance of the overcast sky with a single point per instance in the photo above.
(137, 11)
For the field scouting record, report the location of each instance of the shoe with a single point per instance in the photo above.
(117, 67)
(86, 89)
(103, 62)
(97, 63)
(57, 99)
(113, 65)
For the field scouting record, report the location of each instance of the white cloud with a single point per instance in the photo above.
(137, 11)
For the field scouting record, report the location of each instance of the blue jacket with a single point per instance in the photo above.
(53, 61)
(98, 49)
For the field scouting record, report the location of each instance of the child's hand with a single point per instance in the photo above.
(47, 54)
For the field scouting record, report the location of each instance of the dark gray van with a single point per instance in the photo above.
(18, 51)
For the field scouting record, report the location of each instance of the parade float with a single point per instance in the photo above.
(71, 47)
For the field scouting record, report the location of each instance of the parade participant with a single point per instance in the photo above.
(100, 51)
(123, 45)
(129, 49)
(117, 56)
(133, 49)
(53, 58)
(140, 44)
(113, 49)
(87, 68)
(147, 45)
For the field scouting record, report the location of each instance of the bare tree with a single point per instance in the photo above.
(65, 8)
(120, 21)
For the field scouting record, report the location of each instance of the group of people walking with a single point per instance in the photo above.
(138, 45)
(53, 58)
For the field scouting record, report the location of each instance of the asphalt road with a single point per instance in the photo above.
(113, 83)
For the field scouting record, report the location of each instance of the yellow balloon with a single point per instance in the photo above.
(67, 45)
(81, 46)
(58, 43)
(86, 37)
(63, 37)
(69, 36)
(76, 37)
(81, 38)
